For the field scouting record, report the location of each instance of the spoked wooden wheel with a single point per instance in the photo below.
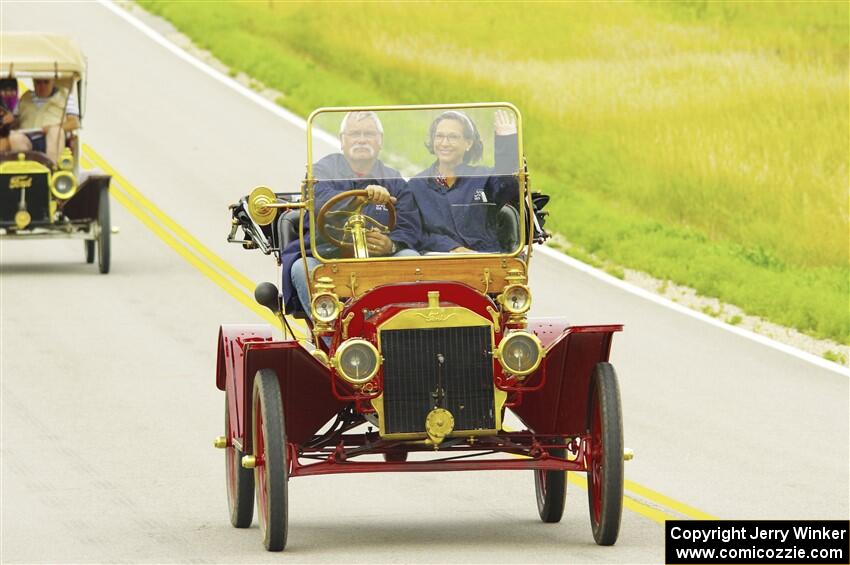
(605, 460)
(271, 473)
(240, 482)
(551, 490)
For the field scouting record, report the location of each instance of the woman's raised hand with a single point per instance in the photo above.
(504, 123)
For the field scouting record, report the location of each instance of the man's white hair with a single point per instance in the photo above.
(358, 116)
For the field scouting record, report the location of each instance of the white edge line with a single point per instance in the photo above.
(552, 253)
(660, 300)
(215, 74)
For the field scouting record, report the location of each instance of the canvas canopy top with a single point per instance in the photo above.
(40, 54)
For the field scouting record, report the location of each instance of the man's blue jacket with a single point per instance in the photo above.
(334, 175)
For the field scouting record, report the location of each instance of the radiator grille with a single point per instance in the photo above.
(35, 196)
(411, 372)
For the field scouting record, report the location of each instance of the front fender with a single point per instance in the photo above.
(230, 368)
(84, 204)
(305, 387)
(231, 342)
(560, 406)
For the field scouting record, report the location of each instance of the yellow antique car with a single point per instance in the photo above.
(43, 192)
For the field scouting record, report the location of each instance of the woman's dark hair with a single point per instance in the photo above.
(469, 132)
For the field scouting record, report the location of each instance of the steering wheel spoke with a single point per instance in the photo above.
(376, 223)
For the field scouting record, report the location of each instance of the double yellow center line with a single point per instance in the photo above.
(646, 502)
(175, 236)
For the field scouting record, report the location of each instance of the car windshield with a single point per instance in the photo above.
(428, 181)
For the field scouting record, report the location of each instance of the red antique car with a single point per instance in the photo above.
(417, 346)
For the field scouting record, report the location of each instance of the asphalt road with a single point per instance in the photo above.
(109, 404)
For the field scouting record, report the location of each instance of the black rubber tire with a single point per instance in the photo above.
(240, 482)
(395, 457)
(90, 251)
(551, 490)
(271, 477)
(605, 472)
(103, 239)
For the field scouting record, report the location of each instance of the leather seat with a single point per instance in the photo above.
(507, 228)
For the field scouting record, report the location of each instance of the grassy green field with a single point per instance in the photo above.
(705, 143)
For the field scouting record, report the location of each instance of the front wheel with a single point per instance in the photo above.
(240, 481)
(271, 473)
(605, 458)
(551, 490)
(103, 238)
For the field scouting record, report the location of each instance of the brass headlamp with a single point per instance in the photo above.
(516, 299)
(520, 353)
(63, 185)
(325, 307)
(66, 160)
(357, 361)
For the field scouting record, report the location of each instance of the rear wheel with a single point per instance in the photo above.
(605, 458)
(103, 238)
(89, 251)
(240, 481)
(551, 490)
(271, 471)
(395, 456)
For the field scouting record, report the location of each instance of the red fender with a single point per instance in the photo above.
(229, 374)
(560, 406)
(305, 385)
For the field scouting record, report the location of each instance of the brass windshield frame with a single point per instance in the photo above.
(524, 246)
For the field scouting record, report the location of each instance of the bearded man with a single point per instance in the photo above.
(361, 137)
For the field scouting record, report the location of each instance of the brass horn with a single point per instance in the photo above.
(263, 205)
(258, 205)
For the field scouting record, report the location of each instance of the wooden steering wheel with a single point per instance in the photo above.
(353, 221)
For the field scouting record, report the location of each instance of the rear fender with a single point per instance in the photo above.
(560, 406)
(230, 366)
(305, 385)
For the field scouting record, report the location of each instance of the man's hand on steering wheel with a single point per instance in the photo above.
(378, 244)
(377, 194)
(351, 229)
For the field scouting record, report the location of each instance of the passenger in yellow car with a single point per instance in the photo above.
(51, 109)
(10, 139)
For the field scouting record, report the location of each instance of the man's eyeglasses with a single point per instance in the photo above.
(451, 138)
(354, 134)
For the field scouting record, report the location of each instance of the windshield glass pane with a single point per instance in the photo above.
(425, 181)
